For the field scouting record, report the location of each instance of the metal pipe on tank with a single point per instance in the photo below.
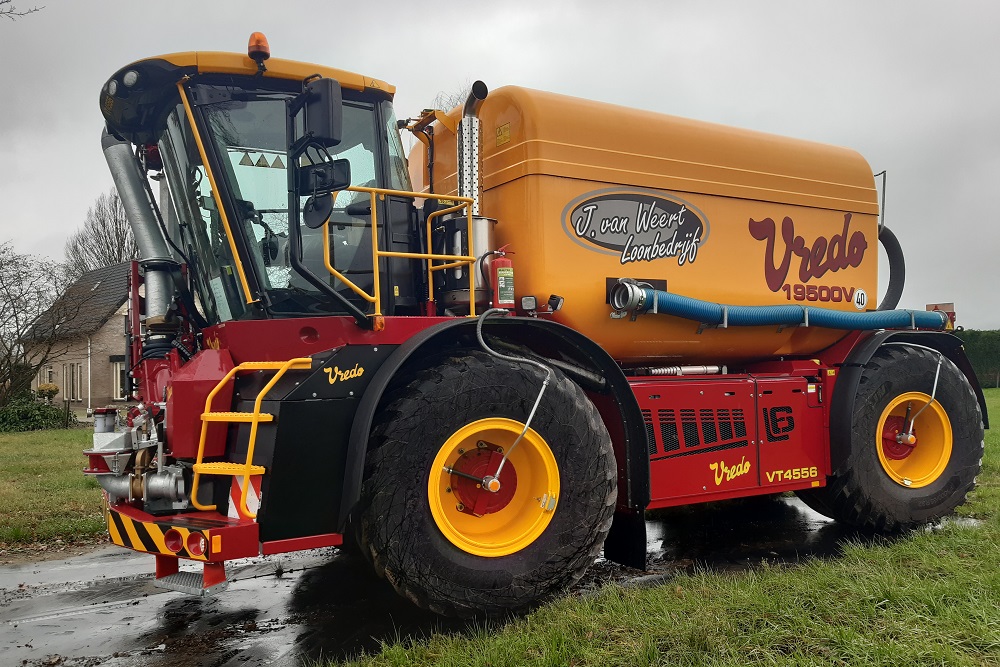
(685, 370)
(117, 486)
(476, 96)
(153, 253)
(468, 145)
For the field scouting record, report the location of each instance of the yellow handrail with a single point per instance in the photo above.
(375, 194)
(245, 468)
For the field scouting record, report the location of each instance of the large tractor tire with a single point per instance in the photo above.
(459, 550)
(889, 484)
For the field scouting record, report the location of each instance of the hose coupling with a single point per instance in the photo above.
(627, 297)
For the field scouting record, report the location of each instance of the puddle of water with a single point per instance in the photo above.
(960, 521)
(345, 609)
(102, 609)
(742, 532)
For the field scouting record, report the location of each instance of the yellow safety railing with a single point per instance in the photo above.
(452, 261)
(246, 470)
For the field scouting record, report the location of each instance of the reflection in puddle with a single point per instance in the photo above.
(344, 609)
(744, 532)
(306, 607)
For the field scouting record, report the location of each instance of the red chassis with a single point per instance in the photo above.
(707, 437)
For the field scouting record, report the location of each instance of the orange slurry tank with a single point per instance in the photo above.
(586, 193)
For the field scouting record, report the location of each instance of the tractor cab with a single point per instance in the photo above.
(257, 163)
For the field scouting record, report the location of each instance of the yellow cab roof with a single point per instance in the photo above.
(217, 62)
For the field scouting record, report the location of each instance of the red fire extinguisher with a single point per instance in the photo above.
(502, 279)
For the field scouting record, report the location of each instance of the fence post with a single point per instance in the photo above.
(66, 415)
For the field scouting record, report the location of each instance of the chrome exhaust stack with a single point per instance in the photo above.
(468, 145)
(154, 257)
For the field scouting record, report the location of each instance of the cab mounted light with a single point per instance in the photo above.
(151, 157)
(259, 50)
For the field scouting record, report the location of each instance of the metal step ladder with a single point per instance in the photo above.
(246, 469)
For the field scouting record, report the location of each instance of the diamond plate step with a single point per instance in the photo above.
(190, 583)
(224, 468)
(235, 417)
(302, 363)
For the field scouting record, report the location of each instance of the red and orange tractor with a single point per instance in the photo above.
(481, 362)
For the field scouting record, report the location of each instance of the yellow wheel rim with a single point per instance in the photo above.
(921, 462)
(493, 524)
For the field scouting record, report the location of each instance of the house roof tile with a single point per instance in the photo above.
(87, 303)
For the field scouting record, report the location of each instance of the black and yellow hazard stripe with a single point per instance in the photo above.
(145, 536)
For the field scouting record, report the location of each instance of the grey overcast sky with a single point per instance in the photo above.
(911, 84)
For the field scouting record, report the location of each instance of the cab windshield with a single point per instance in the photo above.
(245, 137)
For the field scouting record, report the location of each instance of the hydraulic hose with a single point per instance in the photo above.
(489, 479)
(897, 269)
(630, 297)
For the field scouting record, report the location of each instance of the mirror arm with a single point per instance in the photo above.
(294, 233)
(296, 103)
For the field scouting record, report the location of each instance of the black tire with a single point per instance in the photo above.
(401, 536)
(818, 500)
(874, 490)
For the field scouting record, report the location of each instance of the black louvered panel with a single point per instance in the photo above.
(668, 430)
(689, 425)
(647, 417)
(739, 423)
(709, 434)
(725, 424)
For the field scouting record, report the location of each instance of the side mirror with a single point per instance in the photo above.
(324, 112)
(320, 181)
(324, 177)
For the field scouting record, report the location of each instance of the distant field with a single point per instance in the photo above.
(928, 598)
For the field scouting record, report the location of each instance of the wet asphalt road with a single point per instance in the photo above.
(103, 609)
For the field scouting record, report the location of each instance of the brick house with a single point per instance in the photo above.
(89, 363)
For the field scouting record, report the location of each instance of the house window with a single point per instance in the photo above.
(119, 381)
(73, 382)
(46, 376)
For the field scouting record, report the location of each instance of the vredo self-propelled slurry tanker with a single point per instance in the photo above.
(481, 364)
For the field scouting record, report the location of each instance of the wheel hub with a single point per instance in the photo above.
(897, 444)
(914, 462)
(482, 463)
(481, 521)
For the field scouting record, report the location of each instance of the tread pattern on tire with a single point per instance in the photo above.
(863, 495)
(397, 533)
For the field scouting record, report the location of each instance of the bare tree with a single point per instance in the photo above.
(105, 238)
(8, 10)
(30, 320)
(446, 101)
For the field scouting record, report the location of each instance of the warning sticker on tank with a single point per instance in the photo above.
(636, 226)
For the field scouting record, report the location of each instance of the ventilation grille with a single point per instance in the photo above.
(668, 430)
(687, 431)
(647, 417)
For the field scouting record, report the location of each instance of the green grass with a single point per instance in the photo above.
(929, 598)
(44, 496)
